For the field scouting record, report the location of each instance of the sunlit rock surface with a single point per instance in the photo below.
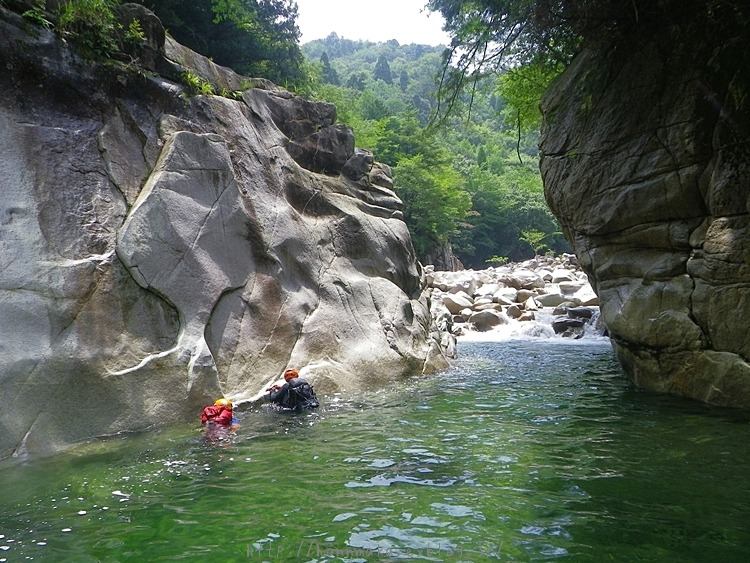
(646, 163)
(160, 249)
(550, 293)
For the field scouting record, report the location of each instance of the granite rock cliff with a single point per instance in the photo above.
(646, 163)
(160, 249)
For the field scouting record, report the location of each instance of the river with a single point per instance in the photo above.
(532, 449)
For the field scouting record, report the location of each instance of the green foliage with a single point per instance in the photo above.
(540, 37)
(383, 70)
(90, 24)
(403, 80)
(372, 106)
(134, 33)
(505, 203)
(357, 81)
(501, 34)
(253, 37)
(461, 184)
(197, 84)
(433, 206)
(355, 62)
(490, 37)
(496, 260)
(231, 94)
(37, 15)
(330, 76)
(402, 136)
(522, 89)
(535, 240)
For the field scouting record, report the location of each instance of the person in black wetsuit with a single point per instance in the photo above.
(295, 394)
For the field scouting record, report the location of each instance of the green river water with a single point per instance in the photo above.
(525, 450)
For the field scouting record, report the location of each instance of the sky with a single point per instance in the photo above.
(370, 20)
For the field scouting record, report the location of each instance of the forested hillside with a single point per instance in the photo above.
(470, 182)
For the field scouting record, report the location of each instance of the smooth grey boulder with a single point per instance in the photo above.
(550, 299)
(581, 312)
(561, 275)
(523, 279)
(514, 312)
(506, 295)
(455, 302)
(159, 250)
(488, 319)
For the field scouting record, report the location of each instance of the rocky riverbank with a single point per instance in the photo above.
(545, 297)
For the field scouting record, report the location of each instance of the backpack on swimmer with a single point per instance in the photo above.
(301, 396)
(296, 394)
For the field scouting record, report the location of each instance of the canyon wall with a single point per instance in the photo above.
(646, 163)
(160, 248)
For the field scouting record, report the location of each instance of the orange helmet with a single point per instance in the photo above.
(290, 374)
(223, 403)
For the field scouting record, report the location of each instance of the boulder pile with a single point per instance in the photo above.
(552, 290)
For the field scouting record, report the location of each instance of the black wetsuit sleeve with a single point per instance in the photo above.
(280, 395)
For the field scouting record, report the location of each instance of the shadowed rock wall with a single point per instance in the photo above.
(646, 163)
(159, 250)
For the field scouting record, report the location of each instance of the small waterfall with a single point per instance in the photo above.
(548, 297)
(539, 328)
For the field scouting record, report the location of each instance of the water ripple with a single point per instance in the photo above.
(521, 451)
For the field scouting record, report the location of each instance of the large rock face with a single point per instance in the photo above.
(646, 162)
(159, 250)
